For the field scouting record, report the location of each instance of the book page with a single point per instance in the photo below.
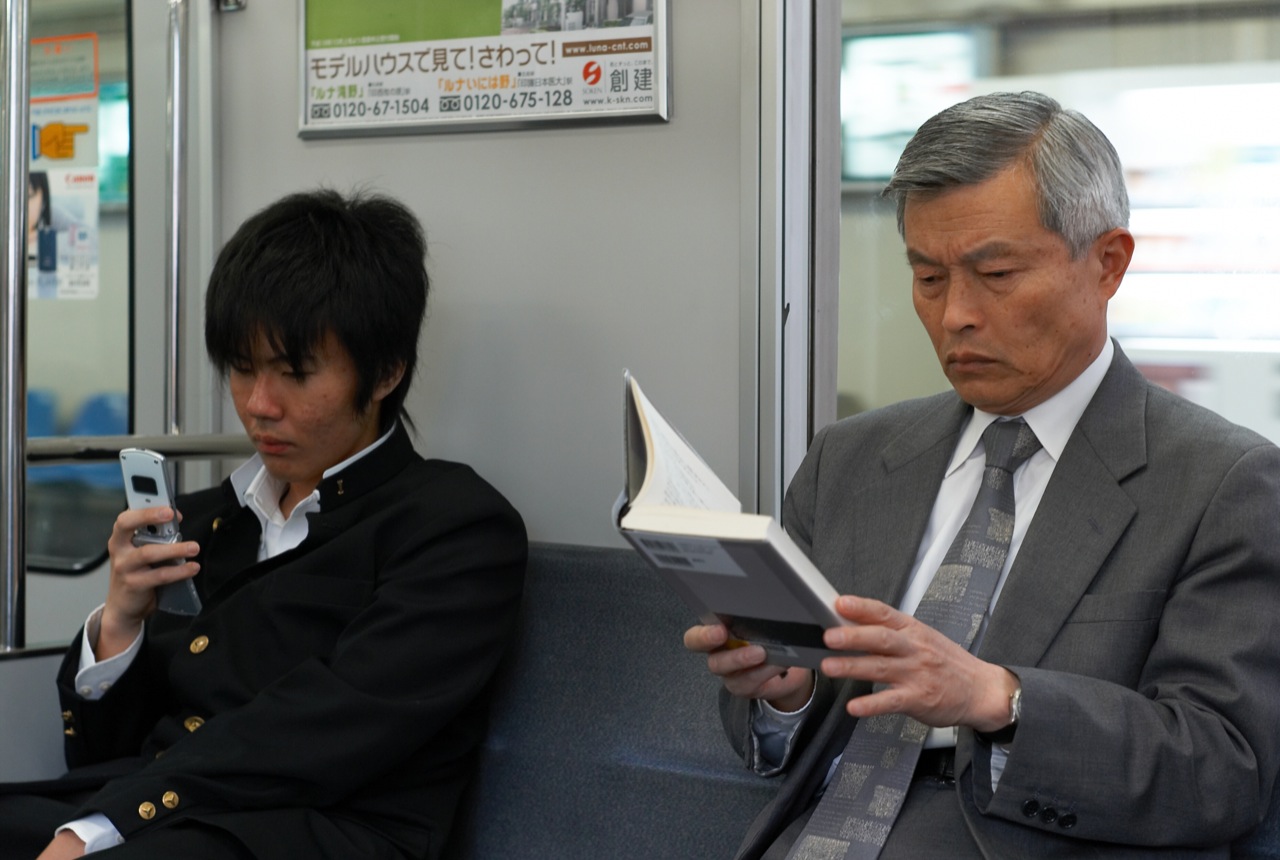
(675, 474)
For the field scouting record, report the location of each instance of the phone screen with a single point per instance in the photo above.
(143, 484)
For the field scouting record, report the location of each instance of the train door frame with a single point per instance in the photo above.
(790, 319)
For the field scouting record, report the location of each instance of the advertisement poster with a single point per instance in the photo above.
(62, 184)
(394, 66)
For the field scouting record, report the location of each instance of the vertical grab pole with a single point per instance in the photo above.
(15, 125)
(175, 239)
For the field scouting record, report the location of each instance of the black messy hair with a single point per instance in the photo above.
(315, 263)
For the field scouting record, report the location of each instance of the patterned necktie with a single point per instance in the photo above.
(863, 798)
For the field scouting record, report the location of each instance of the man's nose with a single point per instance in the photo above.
(262, 401)
(962, 308)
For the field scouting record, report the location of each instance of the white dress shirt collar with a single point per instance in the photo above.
(261, 492)
(250, 475)
(1052, 421)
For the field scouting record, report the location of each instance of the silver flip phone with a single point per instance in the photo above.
(147, 484)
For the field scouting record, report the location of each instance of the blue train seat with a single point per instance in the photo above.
(104, 414)
(42, 420)
(42, 412)
(605, 738)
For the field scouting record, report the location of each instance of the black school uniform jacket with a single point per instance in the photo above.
(330, 699)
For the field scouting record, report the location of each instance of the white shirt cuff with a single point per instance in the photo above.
(942, 738)
(999, 757)
(94, 679)
(770, 717)
(773, 734)
(97, 831)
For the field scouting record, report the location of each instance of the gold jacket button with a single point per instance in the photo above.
(193, 723)
(67, 716)
(170, 800)
(217, 523)
(199, 643)
(147, 811)
(69, 732)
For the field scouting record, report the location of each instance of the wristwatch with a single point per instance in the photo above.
(1015, 706)
(1005, 735)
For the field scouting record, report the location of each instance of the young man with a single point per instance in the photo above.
(328, 699)
(1110, 690)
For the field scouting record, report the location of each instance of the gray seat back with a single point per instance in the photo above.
(605, 739)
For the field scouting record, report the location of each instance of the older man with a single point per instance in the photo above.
(1083, 666)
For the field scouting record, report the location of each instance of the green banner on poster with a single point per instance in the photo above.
(336, 23)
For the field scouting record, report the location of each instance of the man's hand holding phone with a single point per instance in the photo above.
(137, 572)
(148, 483)
(149, 567)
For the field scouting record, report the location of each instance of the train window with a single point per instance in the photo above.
(1180, 88)
(78, 271)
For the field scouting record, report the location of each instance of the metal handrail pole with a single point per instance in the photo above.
(175, 236)
(15, 124)
(97, 449)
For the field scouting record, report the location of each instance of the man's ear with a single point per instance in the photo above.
(388, 383)
(1113, 250)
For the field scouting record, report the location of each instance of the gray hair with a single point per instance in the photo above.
(1079, 181)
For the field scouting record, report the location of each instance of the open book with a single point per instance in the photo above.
(739, 569)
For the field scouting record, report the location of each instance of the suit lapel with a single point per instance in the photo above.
(1083, 513)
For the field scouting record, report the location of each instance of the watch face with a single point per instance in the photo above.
(1015, 706)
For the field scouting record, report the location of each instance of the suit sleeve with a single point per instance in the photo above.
(401, 685)
(1189, 755)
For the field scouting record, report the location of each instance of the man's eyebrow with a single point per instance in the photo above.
(988, 251)
(914, 258)
(280, 359)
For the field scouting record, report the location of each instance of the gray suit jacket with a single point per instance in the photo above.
(1142, 614)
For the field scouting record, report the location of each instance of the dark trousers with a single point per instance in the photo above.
(31, 811)
(27, 823)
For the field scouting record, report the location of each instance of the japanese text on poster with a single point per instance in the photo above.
(479, 62)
